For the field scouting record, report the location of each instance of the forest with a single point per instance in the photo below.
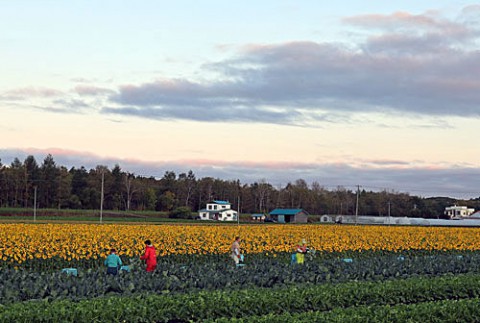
(55, 186)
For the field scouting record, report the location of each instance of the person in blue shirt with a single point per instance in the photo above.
(113, 262)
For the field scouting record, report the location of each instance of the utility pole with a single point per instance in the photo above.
(101, 197)
(238, 211)
(356, 206)
(35, 204)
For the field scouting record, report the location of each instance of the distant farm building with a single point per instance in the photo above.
(289, 215)
(457, 212)
(326, 218)
(258, 217)
(219, 211)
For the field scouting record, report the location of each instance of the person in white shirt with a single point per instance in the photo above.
(236, 253)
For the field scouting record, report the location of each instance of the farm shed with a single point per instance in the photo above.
(289, 215)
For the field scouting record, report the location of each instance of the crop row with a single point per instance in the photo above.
(464, 310)
(212, 273)
(56, 263)
(71, 242)
(313, 302)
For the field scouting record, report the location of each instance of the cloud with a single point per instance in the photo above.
(403, 22)
(211, 114)
(376, 175)
(416, 36)
(81, 99)
(31, 92)
(90, 90)
(65, 105)
(395, 64)
(410, 64)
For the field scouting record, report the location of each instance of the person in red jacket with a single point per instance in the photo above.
(150, 256)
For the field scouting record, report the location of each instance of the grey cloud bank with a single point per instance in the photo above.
(419, 65)
(400, 63)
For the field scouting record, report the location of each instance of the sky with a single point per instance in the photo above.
(380, 94)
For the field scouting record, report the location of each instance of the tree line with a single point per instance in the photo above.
(54, 186)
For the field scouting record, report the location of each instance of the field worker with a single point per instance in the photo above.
(301, 251)
(236, 254)
(150, 256)
(113, 262)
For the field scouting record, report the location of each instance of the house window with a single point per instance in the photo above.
(224, 206)
(214, 207)
(209, 207)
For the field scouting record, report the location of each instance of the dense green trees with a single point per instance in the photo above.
(79, 188)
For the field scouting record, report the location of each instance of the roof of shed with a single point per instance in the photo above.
(286, 211)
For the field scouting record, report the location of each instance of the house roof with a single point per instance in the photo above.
(286, 211)
(220, 202)
(257, 215)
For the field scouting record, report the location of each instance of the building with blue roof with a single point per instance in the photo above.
(289, 215)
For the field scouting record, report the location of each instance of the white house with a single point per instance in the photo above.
(457, 212)
(218, 210)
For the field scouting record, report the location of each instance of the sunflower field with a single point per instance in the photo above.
(22, 242)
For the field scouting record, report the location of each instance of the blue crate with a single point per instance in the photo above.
(70, 271)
